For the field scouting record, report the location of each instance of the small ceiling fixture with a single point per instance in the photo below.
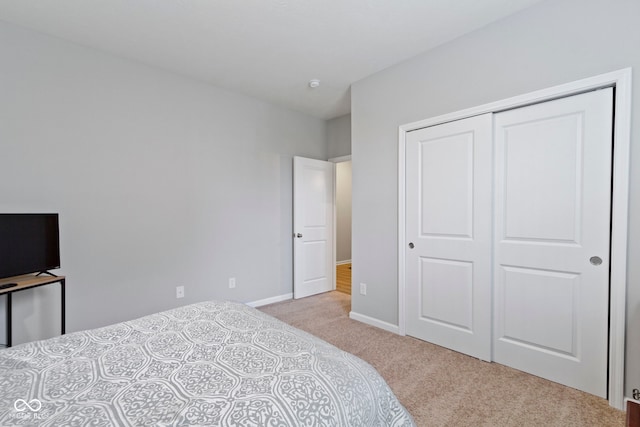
(314, 83)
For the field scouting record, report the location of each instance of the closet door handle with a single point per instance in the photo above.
(411, 245)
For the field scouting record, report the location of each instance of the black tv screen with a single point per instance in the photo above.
(29, 243)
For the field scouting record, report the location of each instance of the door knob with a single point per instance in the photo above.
(298, 235)
(411, 245)
(595, 260)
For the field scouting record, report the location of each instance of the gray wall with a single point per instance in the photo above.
(339, 136)
(555, 42)
(343, 211)
(159, 180)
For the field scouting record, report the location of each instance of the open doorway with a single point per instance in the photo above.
(343, 223)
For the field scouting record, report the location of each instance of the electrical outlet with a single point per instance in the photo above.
(232, 282)
(363, 288)
(179, 291)
(636, 394)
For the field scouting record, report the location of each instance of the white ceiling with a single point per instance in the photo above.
(268, 49)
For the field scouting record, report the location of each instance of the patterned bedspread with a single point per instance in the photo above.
(207, 364)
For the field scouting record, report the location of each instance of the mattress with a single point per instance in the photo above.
(208, 364)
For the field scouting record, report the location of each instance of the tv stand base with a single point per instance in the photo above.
(46, 272)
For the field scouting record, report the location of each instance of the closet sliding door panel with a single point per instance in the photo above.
(448, 232)
(552, 237)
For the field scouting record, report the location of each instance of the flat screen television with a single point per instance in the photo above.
(29, 243)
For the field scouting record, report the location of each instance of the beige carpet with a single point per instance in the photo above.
(441, 387)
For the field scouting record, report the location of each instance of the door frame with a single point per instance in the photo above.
(621, 81)
(336, 160)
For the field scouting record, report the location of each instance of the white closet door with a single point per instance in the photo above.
(552, 226)
(448, 223)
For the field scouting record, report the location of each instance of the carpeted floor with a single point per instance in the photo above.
(441, 387)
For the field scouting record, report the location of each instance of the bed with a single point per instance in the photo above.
(208, 364)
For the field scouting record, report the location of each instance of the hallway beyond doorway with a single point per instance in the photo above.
(343, 278)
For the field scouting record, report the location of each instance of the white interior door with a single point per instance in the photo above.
(552, 237)
(448, 230)
(313, 259)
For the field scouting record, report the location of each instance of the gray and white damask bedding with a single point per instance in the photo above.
(207, 364)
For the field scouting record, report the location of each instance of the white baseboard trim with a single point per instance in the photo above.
(374, 322)
(628, 399)
(348, 261)
(271, 300)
